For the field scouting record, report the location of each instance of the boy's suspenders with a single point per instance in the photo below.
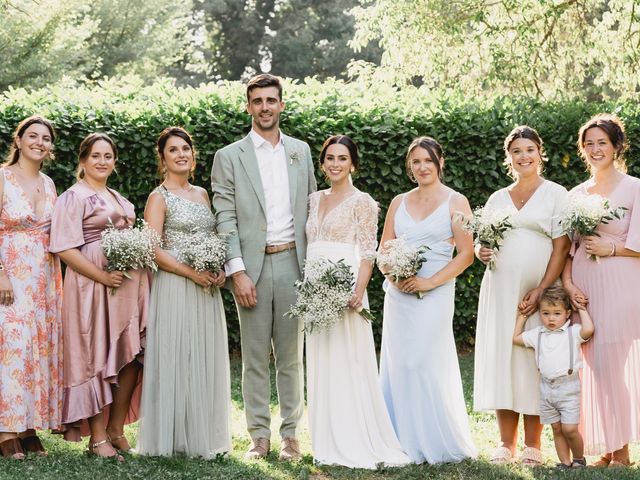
(570, 337)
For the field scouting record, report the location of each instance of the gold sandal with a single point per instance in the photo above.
(91, 450)
(120, 437)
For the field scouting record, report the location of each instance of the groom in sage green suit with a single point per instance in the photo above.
(260, 189)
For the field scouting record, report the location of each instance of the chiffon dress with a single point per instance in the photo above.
(419, 367)
(103, 331)
(186, 395)
(611, 370)
(31, 327)
(348, 421)
(505, 375)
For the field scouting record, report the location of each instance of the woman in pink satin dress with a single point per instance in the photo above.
(103, 331)
(609, 288)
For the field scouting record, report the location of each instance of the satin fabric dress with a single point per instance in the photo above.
(419, 367)
(103, 331)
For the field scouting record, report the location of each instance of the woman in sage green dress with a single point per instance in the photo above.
(186, 388)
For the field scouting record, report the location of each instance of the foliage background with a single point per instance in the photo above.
(383, 122)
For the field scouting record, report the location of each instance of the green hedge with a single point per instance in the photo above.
(383, 123)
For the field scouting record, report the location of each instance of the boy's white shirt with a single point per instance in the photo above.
(554, 349)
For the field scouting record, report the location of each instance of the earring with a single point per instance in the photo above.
(353, 169)
(412, 176)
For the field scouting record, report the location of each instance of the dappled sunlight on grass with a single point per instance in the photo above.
(68, 460)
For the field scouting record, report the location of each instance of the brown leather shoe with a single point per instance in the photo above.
(290, 449)
(259, 449)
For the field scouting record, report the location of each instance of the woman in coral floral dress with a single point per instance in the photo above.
(30, 295)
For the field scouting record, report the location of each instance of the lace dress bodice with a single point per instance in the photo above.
(354, 221)
(183, 217)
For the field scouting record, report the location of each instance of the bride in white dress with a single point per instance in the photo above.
(348, 419)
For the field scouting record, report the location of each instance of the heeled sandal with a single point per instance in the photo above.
(117, 446)
(91, 450)
(32, 444)
(12, 449)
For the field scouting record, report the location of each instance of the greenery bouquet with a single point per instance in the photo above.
(323, 295)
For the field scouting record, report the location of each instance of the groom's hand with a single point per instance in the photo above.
(244, 290)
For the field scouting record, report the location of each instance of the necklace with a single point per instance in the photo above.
(188, 187)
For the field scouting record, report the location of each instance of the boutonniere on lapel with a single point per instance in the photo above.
(295, 156)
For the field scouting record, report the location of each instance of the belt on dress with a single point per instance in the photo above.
(269, 249)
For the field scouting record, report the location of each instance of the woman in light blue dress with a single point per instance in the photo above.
(419, 368)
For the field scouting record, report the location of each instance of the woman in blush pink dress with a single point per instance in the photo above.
(609, 288)
(103, 332)
(30, 295)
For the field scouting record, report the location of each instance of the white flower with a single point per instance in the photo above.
(401, 260)
(324, 294)
(295, 156)
(130, 248)
(583, 213)
(488, 226)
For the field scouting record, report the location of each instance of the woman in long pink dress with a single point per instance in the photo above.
(30, 295)
(609, 288)
(103, 331)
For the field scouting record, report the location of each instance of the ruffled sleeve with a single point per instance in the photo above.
(559, 195)
(66, 222)
(366, 219)
(633, 235)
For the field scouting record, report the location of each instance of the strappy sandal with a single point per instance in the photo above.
(91, 450)
(615, 463)
(116, 444)
(12, 449)
(579, 463)
(32, 444)
(531, 457)
(603, 462)
(501, 455)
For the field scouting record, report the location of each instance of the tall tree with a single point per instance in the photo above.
(310, 37)
(532, 47)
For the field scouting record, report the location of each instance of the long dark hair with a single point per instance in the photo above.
(341, 140)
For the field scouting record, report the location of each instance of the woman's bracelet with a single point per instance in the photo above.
(613, 249)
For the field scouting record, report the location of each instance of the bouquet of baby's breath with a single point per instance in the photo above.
(401, 260)
(323, 295)
(202, 251)
(583, 213)
(130, 248)
(488, 226)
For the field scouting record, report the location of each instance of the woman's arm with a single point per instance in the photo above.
(388, 231)
(366, 216)
(154, 214)
(74, 259)
(601, 247)
(463, 241)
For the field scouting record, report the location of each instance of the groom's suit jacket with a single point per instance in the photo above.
(239, 204)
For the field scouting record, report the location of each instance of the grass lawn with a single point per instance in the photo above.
(68, 461)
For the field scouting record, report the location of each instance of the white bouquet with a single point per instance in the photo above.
(323, 295)
(130, 248)
(401, 260)
(488, 226)
(202, 251)
(583, 213)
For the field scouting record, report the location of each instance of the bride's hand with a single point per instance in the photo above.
(355, 302)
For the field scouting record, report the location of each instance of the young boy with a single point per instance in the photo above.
(557, 347)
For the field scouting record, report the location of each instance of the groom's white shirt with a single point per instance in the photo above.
(272, 163)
